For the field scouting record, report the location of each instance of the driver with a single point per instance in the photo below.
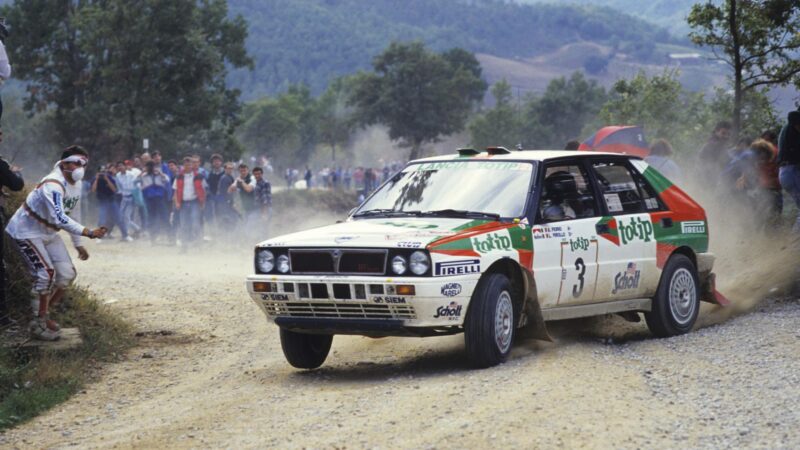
(34, 231)
(559, 187)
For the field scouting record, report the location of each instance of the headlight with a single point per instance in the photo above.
(418, 262)
(283, 264)
(399, 265)
(265, 261)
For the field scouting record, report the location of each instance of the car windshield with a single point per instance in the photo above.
(491, 189)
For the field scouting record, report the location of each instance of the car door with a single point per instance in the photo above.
(565, 242)
(627, 256)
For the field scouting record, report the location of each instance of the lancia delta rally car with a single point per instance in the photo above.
(485, 243)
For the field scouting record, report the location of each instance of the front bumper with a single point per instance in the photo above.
(363, 304)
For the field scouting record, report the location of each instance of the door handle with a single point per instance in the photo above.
(602, 228)
(666, 222)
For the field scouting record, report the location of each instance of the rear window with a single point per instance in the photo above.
(619, 189)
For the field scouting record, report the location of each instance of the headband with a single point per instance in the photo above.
(78, 159)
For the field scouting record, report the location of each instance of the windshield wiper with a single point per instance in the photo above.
(385, 212)
(461, 213)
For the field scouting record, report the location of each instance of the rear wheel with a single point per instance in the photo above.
(490, 322)
(305, 351)
(677, 301)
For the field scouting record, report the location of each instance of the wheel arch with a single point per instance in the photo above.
(686, 251)
(525, 297)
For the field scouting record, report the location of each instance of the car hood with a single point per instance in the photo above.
(384, 233)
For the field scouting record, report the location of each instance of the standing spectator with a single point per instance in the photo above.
(215, 197)
(307, 177)
(189, 200)
(5, 67)
(245, 185)
(11, 178)
(660, 159)
(227, 214)
(358, 178)
(161, 165)
(714, 156)
(174, 217)
(155, 190)
(789, 160)
(105, 187)
(126, 181)
(573, 144)
(263, 191)
(197, 165)
(287, 175)
(348, 178)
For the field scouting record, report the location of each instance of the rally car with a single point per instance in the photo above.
(485, 243)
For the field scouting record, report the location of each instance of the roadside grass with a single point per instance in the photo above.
(32, 382)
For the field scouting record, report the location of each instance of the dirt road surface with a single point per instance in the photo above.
(208, 372)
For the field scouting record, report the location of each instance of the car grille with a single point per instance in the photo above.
(335, 261)
(342, 310)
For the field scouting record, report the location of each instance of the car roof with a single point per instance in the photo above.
(524, 155)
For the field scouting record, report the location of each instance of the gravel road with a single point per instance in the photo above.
(209, 372)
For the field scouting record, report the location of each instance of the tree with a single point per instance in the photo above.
(561, 112)
(499, 126)
(758, 39)
(116, 71)
(335, 115)
(418, 94)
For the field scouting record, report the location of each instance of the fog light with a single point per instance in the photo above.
(405, 289)
(263, 286)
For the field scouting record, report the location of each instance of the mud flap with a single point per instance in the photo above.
(710, 293)
(532, 317)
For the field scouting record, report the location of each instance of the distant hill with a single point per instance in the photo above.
(313, 41)
(670, 14)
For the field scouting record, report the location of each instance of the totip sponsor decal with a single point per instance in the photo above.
(451, 311)
(459, 267)
(451, 289)
(491, 242)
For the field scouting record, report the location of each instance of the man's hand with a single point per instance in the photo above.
(15, 168)
(97, 233)
(83, 255)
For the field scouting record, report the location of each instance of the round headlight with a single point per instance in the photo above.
(399, 265)
(418, 262)
(265, 261)
(283, 264)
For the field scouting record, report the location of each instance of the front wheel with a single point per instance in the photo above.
(305, 351)
(489, 325)
(677, 301)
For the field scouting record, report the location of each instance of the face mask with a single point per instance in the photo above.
(77, 174)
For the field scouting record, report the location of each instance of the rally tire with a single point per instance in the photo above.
(305, 351)
(677, 301)
(490, 322)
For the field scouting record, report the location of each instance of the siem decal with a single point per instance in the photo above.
(636, 229)
(460, 267)
(491, 242)
(389, 299)
(627, 280)
(693, 227)
(451, 311)
(275, 297)
(409, 244)
(451, 289)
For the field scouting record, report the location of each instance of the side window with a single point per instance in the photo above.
(618, 188)
(567, 194)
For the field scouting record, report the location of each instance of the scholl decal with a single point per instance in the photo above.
(627, 280)
(451, 289)
(451, 311)
(460, 267)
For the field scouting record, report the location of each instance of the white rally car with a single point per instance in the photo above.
(485, 243)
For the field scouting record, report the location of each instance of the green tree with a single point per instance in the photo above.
(757, 39)
(561, 112)
(499, 126)
(116, 71)
(418, 94)
(285, 127)
(335, 116)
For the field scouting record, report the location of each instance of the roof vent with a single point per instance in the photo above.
(497, 150)
(468, 152)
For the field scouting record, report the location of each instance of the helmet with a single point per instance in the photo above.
(560, 186)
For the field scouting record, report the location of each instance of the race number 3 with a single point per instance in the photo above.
(577, 289)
